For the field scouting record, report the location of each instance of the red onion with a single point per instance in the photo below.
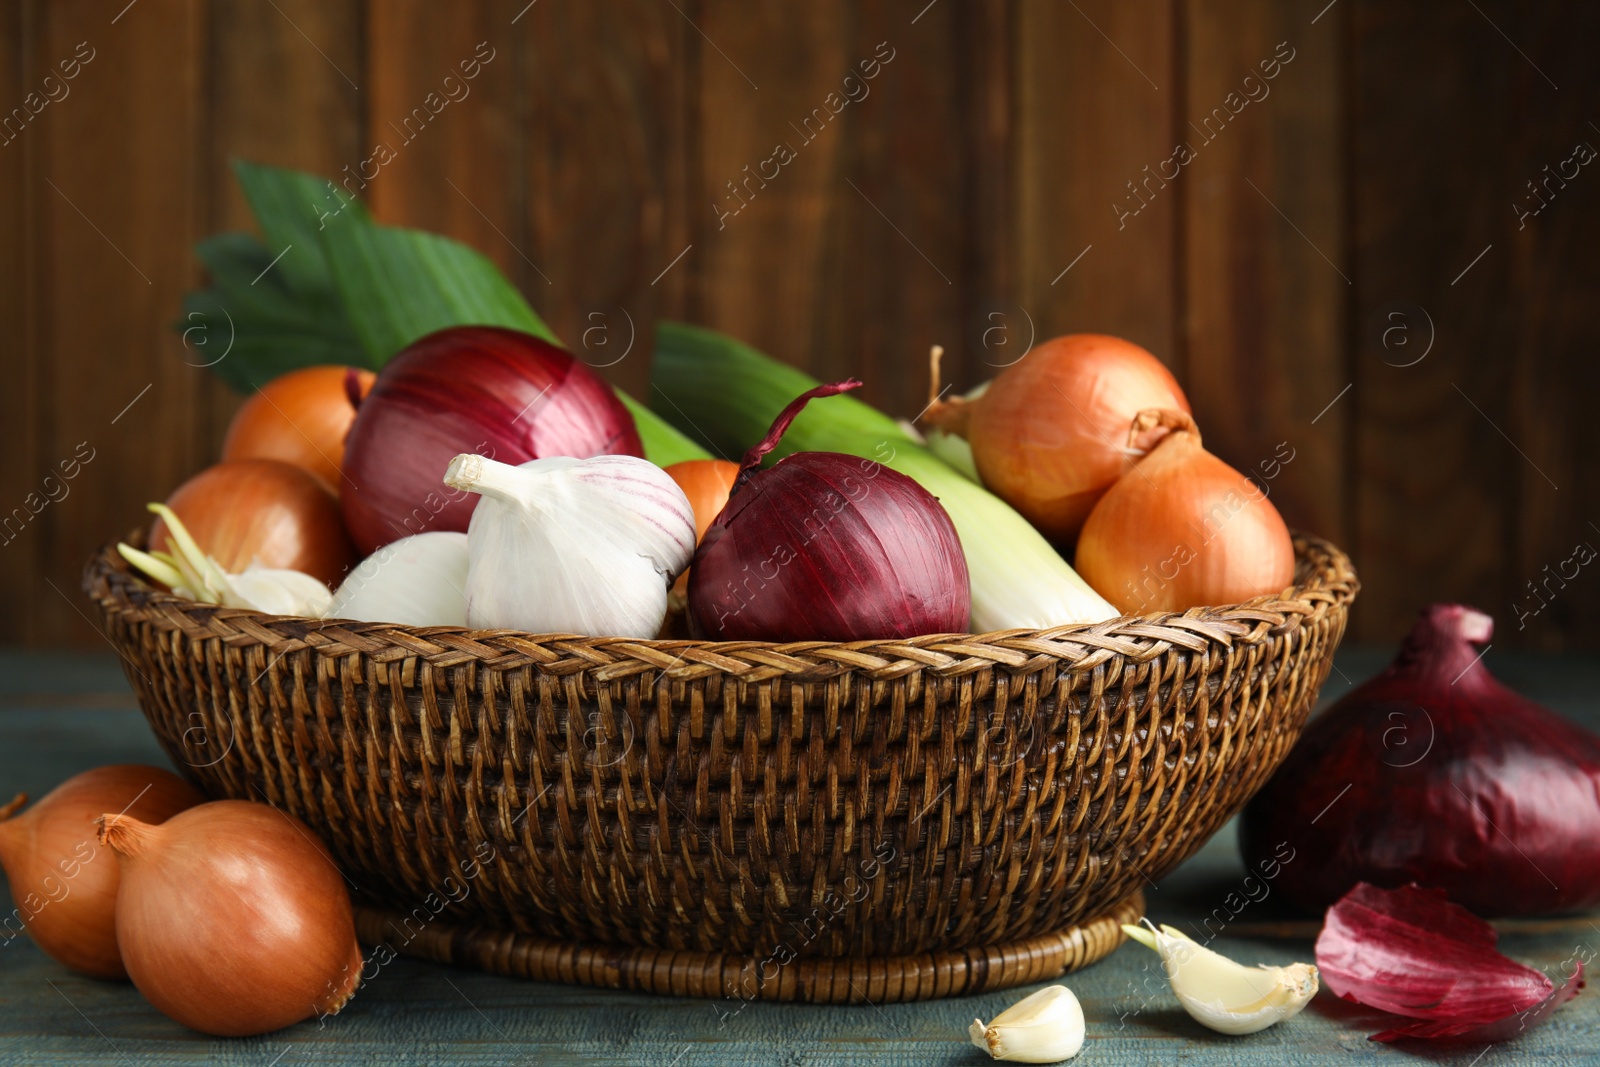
(1435, 773)
(827, 547)
(480, 389)
(1411, 952)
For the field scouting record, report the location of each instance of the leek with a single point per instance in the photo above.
(726, 394)
(330, 285)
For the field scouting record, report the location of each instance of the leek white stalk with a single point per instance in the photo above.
(1225, 996)
(1043, 1027)
(581, 546)
(419, 580)
(189, 572)
(1018, 579)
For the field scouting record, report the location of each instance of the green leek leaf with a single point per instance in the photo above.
(329, 285)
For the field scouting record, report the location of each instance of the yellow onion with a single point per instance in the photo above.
(1047, 433)
(263, 512)
(232, 920)
(301, 418)
(1182, 529)
(63, 884)
(707, 483)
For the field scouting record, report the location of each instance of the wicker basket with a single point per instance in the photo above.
(868, 821)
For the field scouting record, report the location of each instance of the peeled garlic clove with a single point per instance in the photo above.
(276, 591)
(582, 546)
(419, 580)
(1044, 1027)
(1222, 995)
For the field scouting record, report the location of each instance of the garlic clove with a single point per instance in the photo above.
(1223, 995)
(1044, 1027)
(189, 572)
(277, 591)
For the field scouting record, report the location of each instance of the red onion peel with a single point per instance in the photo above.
(1411, 952)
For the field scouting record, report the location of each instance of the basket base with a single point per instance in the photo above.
(845, 980)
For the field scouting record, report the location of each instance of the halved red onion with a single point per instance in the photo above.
(1411, 952)
(827, 547)
(489, 391)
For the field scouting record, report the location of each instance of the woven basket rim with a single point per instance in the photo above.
(1327, 581)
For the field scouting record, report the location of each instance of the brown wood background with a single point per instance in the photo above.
(1359, 215)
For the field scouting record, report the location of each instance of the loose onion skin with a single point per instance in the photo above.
(829, 547)
(63, 883)
(483, 390)
(1047, 433)
(262, 511)
(1451, 781)
(707, 483)
(231, 920)
(1413, 952)
(1182, 529)
(299, 418)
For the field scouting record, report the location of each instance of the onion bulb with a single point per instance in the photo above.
(498, 393)
(63, 885)
(262, 512)
(707, 483)
(828, 547)
(1047, 433)
(1182, 529)
(231, 919)
(1435, 773)
(300, 418)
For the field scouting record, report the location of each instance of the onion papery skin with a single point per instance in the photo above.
(1455, 783)
(1412, 952)
(827, 547)
(232, 921)
(63, 881)
(498, 393)
(1047, 433)
(300, 418)
(262, 511)
(1183, 530)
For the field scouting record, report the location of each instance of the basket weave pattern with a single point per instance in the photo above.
(878, 800)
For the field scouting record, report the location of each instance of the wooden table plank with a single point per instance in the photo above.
(60, 713)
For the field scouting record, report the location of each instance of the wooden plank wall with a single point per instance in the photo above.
(1337, 271)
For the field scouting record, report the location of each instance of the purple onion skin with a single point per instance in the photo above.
(486, 390)
(828, 547)
(1456, 783)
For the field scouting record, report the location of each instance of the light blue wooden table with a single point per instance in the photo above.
(62, 713)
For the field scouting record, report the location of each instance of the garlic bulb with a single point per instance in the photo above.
(1043, 1027)
(419, 580)
(582, 546)
(188, 571)
(1225, 996)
